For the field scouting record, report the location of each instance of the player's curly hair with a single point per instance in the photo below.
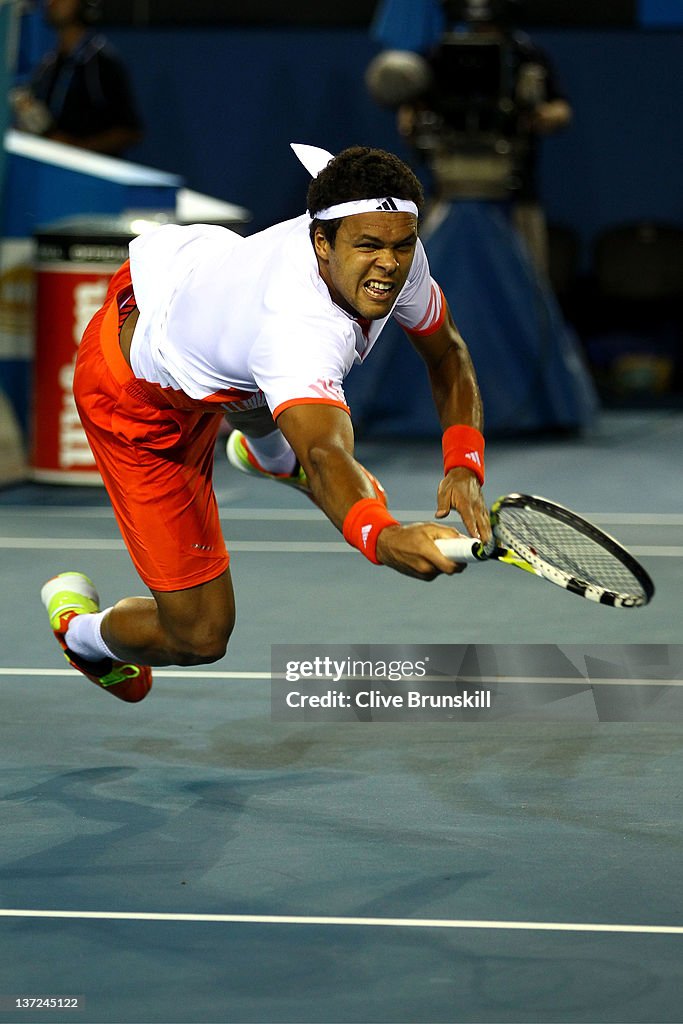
(360, 172)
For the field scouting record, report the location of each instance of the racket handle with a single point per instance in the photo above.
(460, 549)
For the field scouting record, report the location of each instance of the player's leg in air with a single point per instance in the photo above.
(256, 446)
(115, 647)
(156, 462)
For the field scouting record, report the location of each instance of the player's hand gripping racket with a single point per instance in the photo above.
(551, 541)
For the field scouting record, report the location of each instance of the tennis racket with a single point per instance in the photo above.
(550, 541)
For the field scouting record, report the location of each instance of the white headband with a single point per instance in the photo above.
(315, 160)
(387, 205)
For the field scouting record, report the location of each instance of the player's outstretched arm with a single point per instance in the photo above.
(458, 404)
(322, 437)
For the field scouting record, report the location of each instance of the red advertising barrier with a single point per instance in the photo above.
(73, 269)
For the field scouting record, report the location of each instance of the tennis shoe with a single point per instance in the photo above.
(70, 594)
(241, 457)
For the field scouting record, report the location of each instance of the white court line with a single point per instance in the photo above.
(64, 543)
(269, 547)
(353, 922)
(263, 546)
(163, 673)
(636, 518)
(266, 515)
(158, 673)
(655, 551)
(257, 515)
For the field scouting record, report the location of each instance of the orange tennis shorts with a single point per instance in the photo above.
(156, 460)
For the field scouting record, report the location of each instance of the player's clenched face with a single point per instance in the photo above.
(369, 263)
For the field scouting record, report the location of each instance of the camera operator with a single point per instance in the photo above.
(80, 94)
(475, 107)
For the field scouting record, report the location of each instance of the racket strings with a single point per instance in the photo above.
(567, 549)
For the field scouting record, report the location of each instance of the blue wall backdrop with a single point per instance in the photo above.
(222, 105)
(622, 158)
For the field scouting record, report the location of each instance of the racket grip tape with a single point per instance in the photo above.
(461, 549)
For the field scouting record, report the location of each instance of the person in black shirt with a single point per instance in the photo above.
(482, 99)
(80, 94)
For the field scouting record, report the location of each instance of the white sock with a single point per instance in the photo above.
(273, 452)
(84, 637)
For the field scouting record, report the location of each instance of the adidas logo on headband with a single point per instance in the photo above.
(388, 204)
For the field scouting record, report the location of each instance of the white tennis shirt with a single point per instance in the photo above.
(245, 322)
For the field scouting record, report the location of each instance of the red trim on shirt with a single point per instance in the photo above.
(308, 401)
(421, 331)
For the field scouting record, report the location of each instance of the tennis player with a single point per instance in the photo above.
(201, 323)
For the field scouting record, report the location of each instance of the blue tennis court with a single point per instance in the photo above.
(191, 860)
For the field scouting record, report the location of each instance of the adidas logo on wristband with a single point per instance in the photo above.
(361, 533)
(463, 446)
